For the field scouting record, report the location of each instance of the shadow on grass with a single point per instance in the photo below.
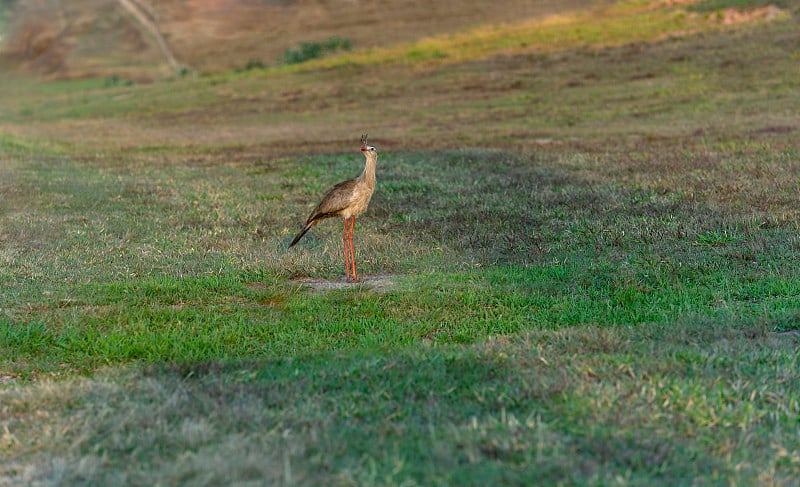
(655, 403)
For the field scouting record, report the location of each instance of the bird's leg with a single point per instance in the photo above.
(346, 252)
(352, 252)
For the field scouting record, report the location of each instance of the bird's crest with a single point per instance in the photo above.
(363, 140)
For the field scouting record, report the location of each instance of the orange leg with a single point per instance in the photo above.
(352, 252)
(346, 252)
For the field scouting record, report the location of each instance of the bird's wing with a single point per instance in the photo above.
(339, 198)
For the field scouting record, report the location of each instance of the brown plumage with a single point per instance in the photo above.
(347, 199)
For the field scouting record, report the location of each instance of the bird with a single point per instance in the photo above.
(347, 199)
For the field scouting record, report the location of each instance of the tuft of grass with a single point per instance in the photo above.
(5, 9)
(716, 239)
(307, 51)
(717, 5)
(252, 64)
(115, 80)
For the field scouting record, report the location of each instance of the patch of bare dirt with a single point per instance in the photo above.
(379, 283)
(672, 3)
(730, 16)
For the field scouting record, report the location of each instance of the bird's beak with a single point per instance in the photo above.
(363, 149)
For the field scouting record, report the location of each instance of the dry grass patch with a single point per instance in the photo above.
(183, 435)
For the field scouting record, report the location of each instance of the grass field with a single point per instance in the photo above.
(589, 235)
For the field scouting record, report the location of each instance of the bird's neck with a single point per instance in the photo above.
(369, 171)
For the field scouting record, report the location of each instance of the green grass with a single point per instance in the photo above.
(626, 405)
(615, 292)
(592, 255)
(307, 51)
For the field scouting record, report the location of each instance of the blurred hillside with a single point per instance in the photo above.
(84, 38)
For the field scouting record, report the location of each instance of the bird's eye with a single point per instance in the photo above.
(372, 149)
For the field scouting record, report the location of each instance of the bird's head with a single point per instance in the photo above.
(367, 149)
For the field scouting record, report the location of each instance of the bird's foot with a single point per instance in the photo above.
(354, 280)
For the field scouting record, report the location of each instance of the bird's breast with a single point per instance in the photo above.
(359, 202)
